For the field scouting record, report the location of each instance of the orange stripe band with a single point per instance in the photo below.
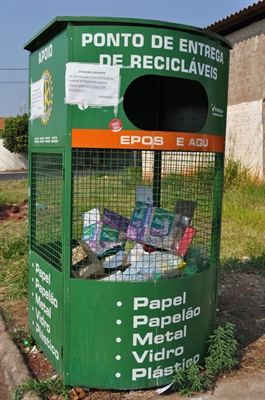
(146, 140)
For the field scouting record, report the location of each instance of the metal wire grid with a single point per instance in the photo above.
(46, 206)
(107, 180)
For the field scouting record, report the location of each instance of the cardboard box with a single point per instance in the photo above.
(163, 229)
(91, 267)
(115, 220)
(139, 221)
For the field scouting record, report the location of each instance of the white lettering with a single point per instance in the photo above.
(125, 139)
(137, 40)
(103, 58)
(109, 40)
(86, 39)
(169, 336)
(44, 277)
(45, 54)
(47, 342)
(168, 43)
(145, 140)
(46, 293)
(157, 42)
(150, 373)
(204, 50)
(163, 321)
(198, 142)
(157, 304)
(138, 373)
(139, 320)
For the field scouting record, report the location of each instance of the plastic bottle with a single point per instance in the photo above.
(191, 268)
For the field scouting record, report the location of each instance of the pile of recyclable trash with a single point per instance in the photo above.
(151, 245)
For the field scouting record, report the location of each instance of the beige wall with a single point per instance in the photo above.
(245, 120)
(244, 135)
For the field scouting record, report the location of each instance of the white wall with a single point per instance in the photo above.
(11, 161)
(244, 135)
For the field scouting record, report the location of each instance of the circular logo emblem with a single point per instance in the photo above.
(48, 95)
(115, 125)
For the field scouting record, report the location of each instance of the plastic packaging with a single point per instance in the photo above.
(191, 268)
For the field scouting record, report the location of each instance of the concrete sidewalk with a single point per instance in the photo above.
(13, 366)
(247, 386)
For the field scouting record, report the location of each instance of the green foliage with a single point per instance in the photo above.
(13, 239)
(43, 389)
(236, 174)
(222, 350)
(132, 176)
(243, 222)
(13, 192)
(14, 259)
(21, 337)
(221, 358)
(15, 134)
(190, 380)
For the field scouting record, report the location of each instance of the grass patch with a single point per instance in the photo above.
(43, 389)
(243, 226)
(236, 174)
(13, 192)
(14, 259)
(243, 220)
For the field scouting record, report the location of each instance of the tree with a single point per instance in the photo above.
(15, 134)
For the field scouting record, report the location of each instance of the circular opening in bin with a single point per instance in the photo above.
(162, 103)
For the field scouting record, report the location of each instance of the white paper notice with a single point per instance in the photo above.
(92, 84)
(37, 99)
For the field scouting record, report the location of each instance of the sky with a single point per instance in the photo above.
(20, 20)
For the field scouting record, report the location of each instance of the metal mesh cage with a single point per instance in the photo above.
(46, 206)
(144, 215)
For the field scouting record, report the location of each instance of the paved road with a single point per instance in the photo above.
(13, 176)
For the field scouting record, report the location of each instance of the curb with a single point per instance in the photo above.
(12, 363)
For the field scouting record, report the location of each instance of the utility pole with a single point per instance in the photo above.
(23, 109)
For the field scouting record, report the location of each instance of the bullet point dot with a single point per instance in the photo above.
(118, 358)
(119, 303)
(118, 322)
(118, 339)
(118, 375)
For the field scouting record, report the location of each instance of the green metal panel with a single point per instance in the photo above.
(59, 24)
(45, 255)
(156, 51)
(67, 248)
(48, 62)
(134, 335)
(46, 308)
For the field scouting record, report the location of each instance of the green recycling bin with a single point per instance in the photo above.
(126, 156)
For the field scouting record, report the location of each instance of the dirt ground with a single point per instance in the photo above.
(241, 301)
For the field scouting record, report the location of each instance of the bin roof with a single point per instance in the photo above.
(59, 24)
